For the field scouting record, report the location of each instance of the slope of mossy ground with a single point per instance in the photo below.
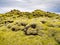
(29, 28)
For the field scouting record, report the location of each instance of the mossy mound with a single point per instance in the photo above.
(29, 28)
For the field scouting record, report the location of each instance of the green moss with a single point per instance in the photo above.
(29, 28)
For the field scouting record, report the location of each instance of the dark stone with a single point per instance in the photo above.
(43, 22)
(10, 21)
(13, 29)
(33, 26)
(23, 24)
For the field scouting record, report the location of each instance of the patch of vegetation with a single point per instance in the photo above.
(29, 28)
